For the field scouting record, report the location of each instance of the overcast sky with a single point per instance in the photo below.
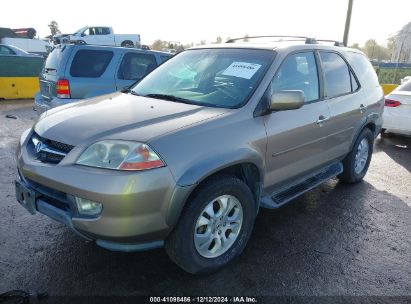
(194, 20)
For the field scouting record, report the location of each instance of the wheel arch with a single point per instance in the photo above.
(123, 43)
(371, 125)
(249, 169)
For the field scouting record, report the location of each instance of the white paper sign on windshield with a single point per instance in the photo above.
(242, 69)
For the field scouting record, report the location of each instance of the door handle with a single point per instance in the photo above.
(362, 108)
(322, 119)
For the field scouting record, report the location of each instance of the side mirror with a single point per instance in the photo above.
(287, 100)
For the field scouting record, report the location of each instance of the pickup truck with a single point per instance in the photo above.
(98, 35)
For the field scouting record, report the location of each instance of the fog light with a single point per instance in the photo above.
(87, 207)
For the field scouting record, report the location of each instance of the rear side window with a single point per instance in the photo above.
(90, 63)
(363, 69)
(337, 75)
(135, 66)
(298, 72)
(164, 58)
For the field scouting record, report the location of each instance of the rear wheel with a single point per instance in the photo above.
(127, 43)
(214, 227)
(356, 163)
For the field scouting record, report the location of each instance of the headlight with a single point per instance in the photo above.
(120, 155)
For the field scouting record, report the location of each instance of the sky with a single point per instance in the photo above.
(189, 21)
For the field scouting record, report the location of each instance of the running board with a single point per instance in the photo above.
(289, 192)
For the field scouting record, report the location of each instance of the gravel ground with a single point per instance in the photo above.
(336, 240)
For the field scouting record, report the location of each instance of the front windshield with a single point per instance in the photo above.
(210, 77)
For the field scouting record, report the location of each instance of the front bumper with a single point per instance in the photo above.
(41, 105)
(139, 208)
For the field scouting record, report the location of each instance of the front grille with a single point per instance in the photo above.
(57, 145)
(47, 150)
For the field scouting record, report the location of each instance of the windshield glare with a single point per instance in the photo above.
(210, 77)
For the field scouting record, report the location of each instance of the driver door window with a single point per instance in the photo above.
(298, 72)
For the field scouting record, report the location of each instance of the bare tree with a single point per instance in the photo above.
(54, 28)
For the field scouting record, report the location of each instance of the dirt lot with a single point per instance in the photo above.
(335, 240)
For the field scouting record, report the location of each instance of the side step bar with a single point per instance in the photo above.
(289, 192)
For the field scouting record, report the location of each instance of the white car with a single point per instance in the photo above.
(405, 79)
(11, 50)
(397, 111)
(99, 35)
(37, 46)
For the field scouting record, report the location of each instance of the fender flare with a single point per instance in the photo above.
(187, 183)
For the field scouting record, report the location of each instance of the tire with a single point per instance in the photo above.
(182, 246)
(127, 44)
(351, 174)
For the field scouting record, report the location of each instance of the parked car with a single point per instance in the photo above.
(11, 50)
(75, 72)
(405, 79)
(188, 155)
(99, 35)
(38, 46)
(397, 112)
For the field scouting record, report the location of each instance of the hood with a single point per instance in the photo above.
(119, 116)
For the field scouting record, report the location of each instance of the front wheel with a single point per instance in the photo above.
(214, 227)
(356, 163)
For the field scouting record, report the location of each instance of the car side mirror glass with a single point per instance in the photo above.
(287, 100)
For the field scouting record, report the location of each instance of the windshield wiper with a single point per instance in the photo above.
(128, 90)
(169, 98)
(49, 69)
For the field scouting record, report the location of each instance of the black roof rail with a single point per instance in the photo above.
(308, 40)
(292, 38)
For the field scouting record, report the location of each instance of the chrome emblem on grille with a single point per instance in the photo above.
(39, 147)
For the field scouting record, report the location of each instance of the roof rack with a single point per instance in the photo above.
(336, 43)
(308, 40)
(281, 38)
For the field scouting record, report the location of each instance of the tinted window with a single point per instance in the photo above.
(6, 51)
(89, 63)
(135, 66)
(164, 58)
(363, 69)
(54, 60)
(298, 72)
(337, 76)
(101, 31)
(105, 31)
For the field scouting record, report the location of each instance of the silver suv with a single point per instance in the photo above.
(187, 156)
(75, 72)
